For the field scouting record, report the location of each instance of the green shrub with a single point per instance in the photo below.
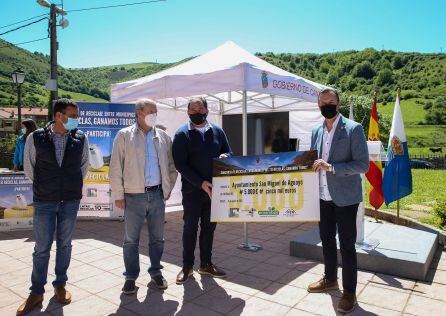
(440, 211)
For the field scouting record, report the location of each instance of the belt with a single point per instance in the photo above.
(153, 188)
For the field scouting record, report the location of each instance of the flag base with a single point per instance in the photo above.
(367, 245)
(401, 251)
(249, 247)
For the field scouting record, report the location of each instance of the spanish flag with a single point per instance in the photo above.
(375, 173)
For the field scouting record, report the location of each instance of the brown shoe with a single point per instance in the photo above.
(347, 303)
(62, 295)
(322, 285)
(184, 275)
(31, 302)
(211, 269)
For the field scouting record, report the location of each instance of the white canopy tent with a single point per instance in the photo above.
(222, 76)
(233, 81)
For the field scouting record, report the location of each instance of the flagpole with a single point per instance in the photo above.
(375, 95)
(398, 201)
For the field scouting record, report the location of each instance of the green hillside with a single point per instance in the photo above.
(422, 78)
(89, 84)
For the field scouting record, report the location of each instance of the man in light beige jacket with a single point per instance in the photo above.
(142, 175)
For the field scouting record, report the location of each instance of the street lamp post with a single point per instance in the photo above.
(18, 77)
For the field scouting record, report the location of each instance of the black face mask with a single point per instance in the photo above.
(329, 110)
(198, 118)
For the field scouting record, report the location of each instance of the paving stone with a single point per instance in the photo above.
(386, 298)
(419, 305)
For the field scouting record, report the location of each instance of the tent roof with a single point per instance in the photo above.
(224, 69)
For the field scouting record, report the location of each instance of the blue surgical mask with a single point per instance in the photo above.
(71, 124)
(24, 130)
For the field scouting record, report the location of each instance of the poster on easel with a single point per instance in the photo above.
(16, 201)
(101, 122)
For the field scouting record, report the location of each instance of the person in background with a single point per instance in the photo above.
(28, 126)
(56, 160)
(343, 156)
(194, 147)
(142, 175)
(280, 143)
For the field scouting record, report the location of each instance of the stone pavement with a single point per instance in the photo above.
(269, 282)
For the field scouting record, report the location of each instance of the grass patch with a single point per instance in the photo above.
(419, 136)
(413, 113)
(81, 97)
(425, 152)
(427, 185)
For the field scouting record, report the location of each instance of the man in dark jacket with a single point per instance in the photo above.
(195, 145)
(56, 159)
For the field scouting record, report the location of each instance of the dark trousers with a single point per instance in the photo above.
(344, 218)
(197, 208)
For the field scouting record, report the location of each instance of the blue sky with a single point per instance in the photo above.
(175, 29)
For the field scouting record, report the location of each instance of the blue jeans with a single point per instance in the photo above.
(139, 206)
(50, 217)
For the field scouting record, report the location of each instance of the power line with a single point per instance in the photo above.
(32, 41)
(115, 6)
(85, 9)
(22, 26)
(35, 17)
(75, 10)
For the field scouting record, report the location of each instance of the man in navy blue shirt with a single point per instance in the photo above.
(194, 147)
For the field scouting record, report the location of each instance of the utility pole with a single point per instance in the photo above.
(19, 107)
(53, 58)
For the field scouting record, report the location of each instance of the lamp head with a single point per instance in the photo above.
(44, 3)
(18, 77)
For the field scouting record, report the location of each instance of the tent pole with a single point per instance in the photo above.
(246, 245)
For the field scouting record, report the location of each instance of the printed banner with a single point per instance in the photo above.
(269, 188)
(16, 197)
(101, 122)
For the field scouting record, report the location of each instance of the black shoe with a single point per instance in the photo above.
(129, 287)
(160, 282)
(212, 270)
(184, 275)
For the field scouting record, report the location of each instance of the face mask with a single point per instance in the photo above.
(198, 118)
(150, 119)
(24, 130)
(71, 124)
(329, 110)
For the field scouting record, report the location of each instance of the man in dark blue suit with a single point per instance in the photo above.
(343, 156)
(194, 147)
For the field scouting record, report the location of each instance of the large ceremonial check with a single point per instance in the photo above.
(271, 188)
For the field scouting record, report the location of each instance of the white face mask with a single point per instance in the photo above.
(150, 119)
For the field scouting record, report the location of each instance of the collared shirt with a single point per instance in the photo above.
(152, 172)
(60, 142)
(326, 146)
(202, 130)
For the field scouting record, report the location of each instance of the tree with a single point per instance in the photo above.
(397, 62)
(362, 106)
(437, 113)
(324, 67)
(364, 70)
(384, 77)
(332, 77)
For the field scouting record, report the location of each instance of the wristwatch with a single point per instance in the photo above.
(330, 168)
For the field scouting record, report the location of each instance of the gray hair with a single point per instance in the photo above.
(141, 103)
(329, 90)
